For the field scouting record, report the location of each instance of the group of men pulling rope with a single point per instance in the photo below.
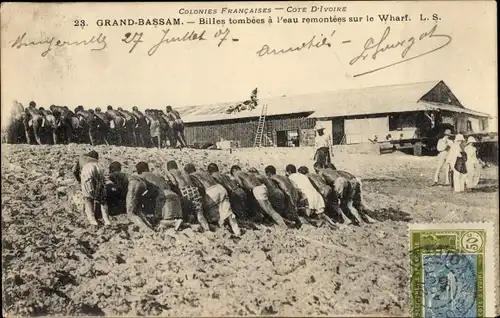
(59, 124)
(212, 199)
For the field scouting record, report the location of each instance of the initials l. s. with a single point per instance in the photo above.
(435, 17)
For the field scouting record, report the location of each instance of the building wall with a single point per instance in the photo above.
(490, 124)
(475, 124)
(201, 133)
(405, 126)
(479, 124)
(307, 137)
(356, 130)
(244, 130)
(459, 121)
(360, 130)
(448, 120)
(442, 94)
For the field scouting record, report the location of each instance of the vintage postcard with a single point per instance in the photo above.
(301, 158)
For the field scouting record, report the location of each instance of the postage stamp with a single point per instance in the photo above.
(452, 270)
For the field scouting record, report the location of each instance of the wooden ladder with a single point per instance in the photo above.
(260, 127)
(344, 140)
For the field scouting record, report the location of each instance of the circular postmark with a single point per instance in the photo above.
(449, 284)
(443, 282)
(472, 242)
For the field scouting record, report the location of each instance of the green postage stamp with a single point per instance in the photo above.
(452, 270)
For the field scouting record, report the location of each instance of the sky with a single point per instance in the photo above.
(194, 73)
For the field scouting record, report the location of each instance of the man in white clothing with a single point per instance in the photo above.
(474, 164)
(315, 201)
(456, 152)
(323, 153)
(443, 146)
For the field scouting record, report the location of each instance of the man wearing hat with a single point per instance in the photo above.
(473, 164)
(457, 159)
(323, 142)
(443, 146)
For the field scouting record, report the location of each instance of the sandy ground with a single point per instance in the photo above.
(54, 264)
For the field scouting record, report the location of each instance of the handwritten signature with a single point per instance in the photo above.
(52, 41)
(381, 46)
(313, 43)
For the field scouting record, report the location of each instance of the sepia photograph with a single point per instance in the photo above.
(185, 159)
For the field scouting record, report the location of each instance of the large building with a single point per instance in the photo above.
(352, 116)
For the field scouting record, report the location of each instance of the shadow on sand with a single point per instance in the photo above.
(252, 222)
(486, 186)
(484, 189)
(378, 179)
(391, 214)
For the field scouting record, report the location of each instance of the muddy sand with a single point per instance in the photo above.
(54, 264)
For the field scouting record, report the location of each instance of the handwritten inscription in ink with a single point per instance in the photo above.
(95, 43)
(312, 43)
(375, 47)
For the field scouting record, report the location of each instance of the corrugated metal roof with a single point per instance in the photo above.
(455, 109)
(217, 117)
(349, 102)
(276, 106)
(374, 100)
(244, 114)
